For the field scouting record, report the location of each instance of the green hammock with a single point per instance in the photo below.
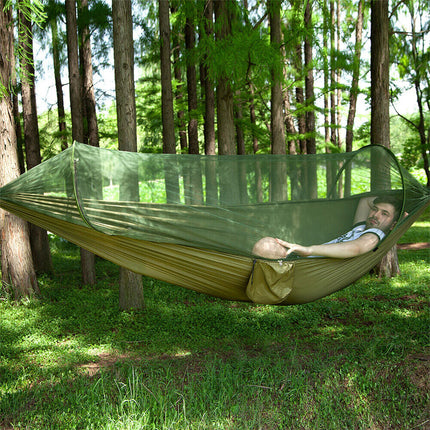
(192, 220)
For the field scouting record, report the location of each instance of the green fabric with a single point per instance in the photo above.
(270, 282)
(192, 220)
(223, 203)
(222, 275)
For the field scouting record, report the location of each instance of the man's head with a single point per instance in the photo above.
(384, 213)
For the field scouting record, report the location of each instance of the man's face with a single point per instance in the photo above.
(381, 216)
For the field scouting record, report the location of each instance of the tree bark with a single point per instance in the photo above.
(309, 82)
(58, 84)
(224, 93)
(311, 174)
(277, 115)
(38, 236)
(131, 286)
(190, 41)
(179, 92)
(333, 131)
(300, 100)
(17, 267)
(17, 116)
(87, 83)
(380, 102)
(240, 135)
(379, 69)
(326, 27)
(338, 76)
(207, 84)
(252, 117)
(355, 79)
(87, 258)
(278, 190)
(169, 143)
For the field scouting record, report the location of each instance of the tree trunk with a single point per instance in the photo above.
(277, 115)
(194, 177)
(309, 83)
(87, 83)
(355, 79)
(252, 117)
(179, 92)
(207, 84)
(380, 68)
(300, 100)
(240, 135)
(17, 267)
(38, 236)
(17, 116)
(190, 41)
(380, 101)
(338, 76)
(333, 131)
(131, 286)
(169, 143)
(288, 117)
(278, 190)
(311, 174)
(208, 94)
(58, 84)
(224, 94)
(326, 27)
(87, 258)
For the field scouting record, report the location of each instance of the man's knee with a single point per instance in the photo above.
(268, 247)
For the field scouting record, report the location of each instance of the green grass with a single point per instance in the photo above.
(359, 359)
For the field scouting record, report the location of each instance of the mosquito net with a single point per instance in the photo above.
(221, 203)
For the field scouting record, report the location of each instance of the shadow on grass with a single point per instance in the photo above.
(356, 359)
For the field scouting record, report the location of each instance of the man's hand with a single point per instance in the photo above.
(304, 251)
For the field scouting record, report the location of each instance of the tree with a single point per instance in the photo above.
(380, 103)
(17, 267)
(91, 131)
(38, 236)
(380, 74)
(224, 92)
(412, 57)
(355, 78)
(53, 11)
(177, 37)
(190, 41)
(278, 190)
(277, 115)
(75, 87)
(309, 82)
(207, 84)
(131, 287)
(169, 142)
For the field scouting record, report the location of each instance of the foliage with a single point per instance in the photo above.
(411, 53)
(247, 58)
(357, 359)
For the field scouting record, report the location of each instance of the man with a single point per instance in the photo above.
(373, 219)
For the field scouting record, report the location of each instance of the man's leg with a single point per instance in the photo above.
(268, 247)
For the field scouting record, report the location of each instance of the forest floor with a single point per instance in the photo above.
(358, 359)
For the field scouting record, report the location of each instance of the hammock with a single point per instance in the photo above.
(192, 220)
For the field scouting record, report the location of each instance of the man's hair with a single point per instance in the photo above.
(392, 200)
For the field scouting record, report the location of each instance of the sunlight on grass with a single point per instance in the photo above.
(357, 359)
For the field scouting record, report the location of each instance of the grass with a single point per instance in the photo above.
(359, 359)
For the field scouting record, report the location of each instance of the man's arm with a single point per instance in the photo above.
(363, 244)
(363, 209)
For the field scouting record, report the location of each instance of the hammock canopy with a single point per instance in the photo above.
(193, 220)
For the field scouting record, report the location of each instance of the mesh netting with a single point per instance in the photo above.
(222, 203)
